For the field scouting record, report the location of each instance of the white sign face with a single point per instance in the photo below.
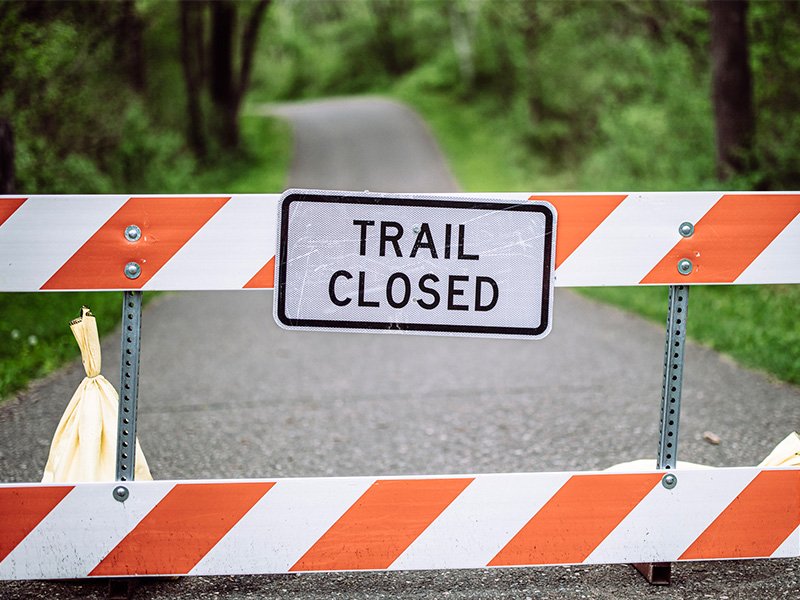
(414, 264)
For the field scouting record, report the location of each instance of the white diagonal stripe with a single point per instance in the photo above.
(227, 251)
(666, 522)
(45, 232)
(780, 261)
(283, 525)
(633, 238)
(78, 533)
(481, 521)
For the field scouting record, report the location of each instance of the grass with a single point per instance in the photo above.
(482, 149)
(757, 325)
(34, 332)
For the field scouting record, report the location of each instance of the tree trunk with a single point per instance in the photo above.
(227, 88)
(192, 46)
(249, 41)
(131, 46)
(7, 182)
(221, 84)
(732, 87)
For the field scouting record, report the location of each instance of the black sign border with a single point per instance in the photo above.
(333, 198)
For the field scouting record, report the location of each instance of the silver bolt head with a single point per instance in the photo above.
(120, 493)
(133, 270)
(669, 481)
(686, 229)
(133, 233)
(685, 266)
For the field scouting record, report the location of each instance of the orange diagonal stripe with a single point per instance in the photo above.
(182, 529)
(728, 238)
(381, 524)
(166, 225)
(756, 522)
(8, 206)
(578, 217)
(265, 278)
(574, 521)
(22, 509)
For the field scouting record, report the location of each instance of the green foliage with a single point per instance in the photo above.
(82, 124)
(34, 333)
(775, 59)
(79, 124)
(615, 93)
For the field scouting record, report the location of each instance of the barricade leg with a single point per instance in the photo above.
(660, 573)
(126, 424)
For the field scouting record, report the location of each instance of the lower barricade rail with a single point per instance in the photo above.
(395, 523)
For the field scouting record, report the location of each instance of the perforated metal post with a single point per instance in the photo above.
(129, 384)
(661, 573)
(673, 376)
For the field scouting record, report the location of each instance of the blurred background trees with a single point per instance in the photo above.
(155, 96)
(655, 94)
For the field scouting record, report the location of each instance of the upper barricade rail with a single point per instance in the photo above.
(226, 242)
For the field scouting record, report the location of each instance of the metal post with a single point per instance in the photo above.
(661, 573)
(673, 377)
(129, 384)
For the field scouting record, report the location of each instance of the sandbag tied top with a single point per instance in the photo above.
(84, 328)
(85, 442)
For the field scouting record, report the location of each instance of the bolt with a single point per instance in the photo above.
(120, 493)
(133, 233)
(686, 229)
(133, 270)
(415, 229)
(685, 266)
(669, 481)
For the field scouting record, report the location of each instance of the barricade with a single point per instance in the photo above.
(134, 244)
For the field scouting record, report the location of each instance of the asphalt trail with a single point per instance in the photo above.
(226, 393)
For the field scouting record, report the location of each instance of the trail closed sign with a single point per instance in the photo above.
(414, 264)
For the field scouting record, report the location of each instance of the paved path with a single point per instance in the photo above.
(225, 393)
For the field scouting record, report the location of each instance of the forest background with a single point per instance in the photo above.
(144, 96)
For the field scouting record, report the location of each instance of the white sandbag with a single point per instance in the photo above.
(84, 446)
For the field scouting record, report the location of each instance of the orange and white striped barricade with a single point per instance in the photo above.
(392, 523)
(221, 242)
